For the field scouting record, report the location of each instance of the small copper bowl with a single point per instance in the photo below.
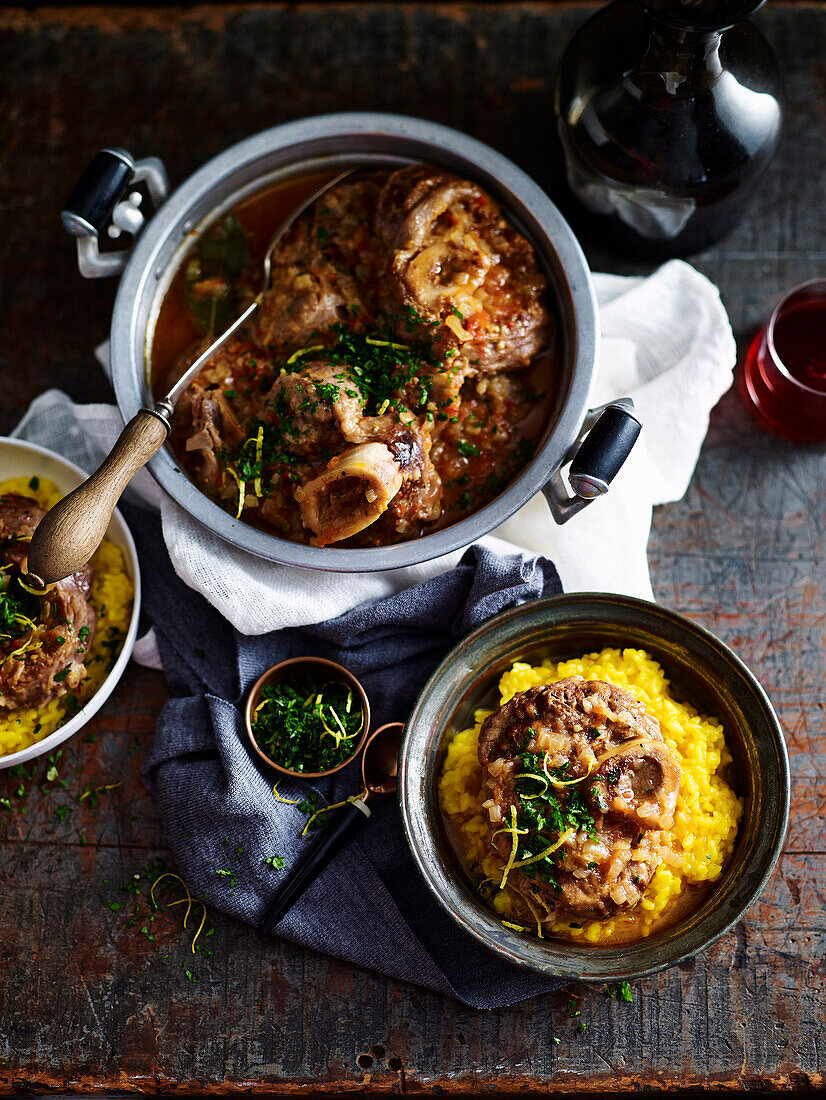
(301, 666)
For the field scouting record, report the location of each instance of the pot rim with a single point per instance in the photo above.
(589, 964)
(347, 132)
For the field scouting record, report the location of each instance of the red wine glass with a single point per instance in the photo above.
(783, 377)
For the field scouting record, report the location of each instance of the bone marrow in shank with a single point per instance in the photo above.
(350, 493)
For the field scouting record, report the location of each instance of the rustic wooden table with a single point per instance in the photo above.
(88, 1004)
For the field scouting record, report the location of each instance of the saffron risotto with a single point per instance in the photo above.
(111, 597)
(705, 822)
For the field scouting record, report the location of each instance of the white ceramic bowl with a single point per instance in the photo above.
(21, 459)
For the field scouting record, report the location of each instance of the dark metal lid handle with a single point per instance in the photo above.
(595, 460)
(107, 202)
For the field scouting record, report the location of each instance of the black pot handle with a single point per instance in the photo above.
(603, 451)
(612, 431)
(98, 191)
(109, 206)
(307, 869)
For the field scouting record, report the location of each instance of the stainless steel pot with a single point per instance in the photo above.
(111, 205)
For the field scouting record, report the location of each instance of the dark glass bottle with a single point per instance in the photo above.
(669, 111)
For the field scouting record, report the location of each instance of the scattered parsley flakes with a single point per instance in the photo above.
(275, 861)
(622, 992)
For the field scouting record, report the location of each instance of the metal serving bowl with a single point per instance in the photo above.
(113, 201)
(702, 671)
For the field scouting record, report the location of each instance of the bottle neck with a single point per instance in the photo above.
(678, 61)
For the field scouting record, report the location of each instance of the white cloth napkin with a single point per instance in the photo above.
(666, 342)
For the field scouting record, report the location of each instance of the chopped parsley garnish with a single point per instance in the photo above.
(467, 449)
(19, 610)
(622, 992)
(306, 724)
(275, 861)
(546, 813)
(382, 366)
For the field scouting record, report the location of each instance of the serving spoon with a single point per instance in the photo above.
(379, 775)
(71, 531)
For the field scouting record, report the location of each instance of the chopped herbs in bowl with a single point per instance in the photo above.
(307, 716)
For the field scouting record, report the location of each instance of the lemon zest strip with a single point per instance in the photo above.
(563, 782)
(515, 833)
(242, 491)
(326, 809)
(547, 851)
(190, 901)
(286, 801)
(304, 351)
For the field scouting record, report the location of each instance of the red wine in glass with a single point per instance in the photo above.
(783, 377)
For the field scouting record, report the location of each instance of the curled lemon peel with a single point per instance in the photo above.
(547, 851)
(99, 790)
(190, 901)
(259, 450)
(540, 778)
(242, 489)
(33, 591)
(536, 917)
(286, 801)
(563, 782)
(304, 351)
(385, 344)
(335, 806)
(515, 927)
(515, 834)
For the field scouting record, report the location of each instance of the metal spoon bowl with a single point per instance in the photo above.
(379, 772)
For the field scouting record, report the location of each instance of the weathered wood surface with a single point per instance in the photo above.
(86, 1004)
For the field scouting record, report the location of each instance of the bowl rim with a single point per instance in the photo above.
(92, 706)
(175, 219)
(449, 894)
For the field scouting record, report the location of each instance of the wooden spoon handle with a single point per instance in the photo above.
(69, 533)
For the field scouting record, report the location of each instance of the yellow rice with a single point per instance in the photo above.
(112, 595)
(707, 814)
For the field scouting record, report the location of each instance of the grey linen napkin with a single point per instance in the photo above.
(369, 906)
